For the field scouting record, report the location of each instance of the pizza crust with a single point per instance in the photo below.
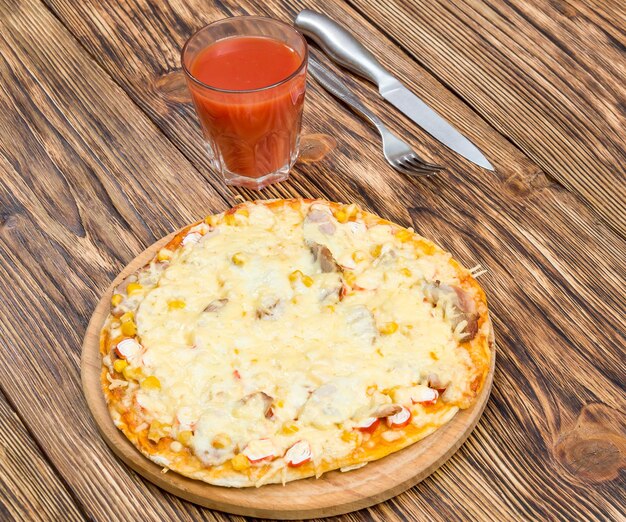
(166, 451)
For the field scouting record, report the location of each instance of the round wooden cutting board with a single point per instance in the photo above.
(332, 494)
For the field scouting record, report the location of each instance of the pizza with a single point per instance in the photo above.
(283, 339)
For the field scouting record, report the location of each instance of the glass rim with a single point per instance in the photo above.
(244, 91)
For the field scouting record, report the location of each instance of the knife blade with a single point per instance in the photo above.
(344, 49)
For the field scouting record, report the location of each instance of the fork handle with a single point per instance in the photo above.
(342, 47)
(335, 86)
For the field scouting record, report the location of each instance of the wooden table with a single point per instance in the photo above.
(101, 155)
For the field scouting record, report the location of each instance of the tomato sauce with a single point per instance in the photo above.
(249, 117)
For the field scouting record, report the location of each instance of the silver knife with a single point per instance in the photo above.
(344, 49)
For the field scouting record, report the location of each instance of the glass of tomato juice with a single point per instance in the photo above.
(247, 78)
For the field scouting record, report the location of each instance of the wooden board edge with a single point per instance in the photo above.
(183, 487)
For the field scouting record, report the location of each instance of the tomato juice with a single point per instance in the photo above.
(249, 93)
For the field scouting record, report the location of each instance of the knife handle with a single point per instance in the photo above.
(341, 46)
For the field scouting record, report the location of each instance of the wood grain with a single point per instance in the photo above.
(543, 73)
(151, 77)
(31, 489)
(96, 163)
(334, 493)
(74, 202)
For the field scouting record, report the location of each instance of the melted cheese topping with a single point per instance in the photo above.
(255, 346)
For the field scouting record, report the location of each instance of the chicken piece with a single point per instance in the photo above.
(419, 394)
(386, 255)
(121, 288)
(334, 402)
(212, 443)
(216, 305)
(298, 454)
(330, 293)
(361, 323)
(270, 309)
(457, 304)
(386, 410)
(323, 218)
(260, 450)
(323, 255)
(260, 399)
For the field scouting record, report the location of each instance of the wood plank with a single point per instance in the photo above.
(138, 44)
(554, 280)
(548, 75)
(74, 187)
(31, 489)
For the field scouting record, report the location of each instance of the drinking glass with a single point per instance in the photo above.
(252, 135)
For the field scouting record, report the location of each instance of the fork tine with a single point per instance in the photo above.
(432, 170)
(408, 164)
(411, 171)
(418, 162)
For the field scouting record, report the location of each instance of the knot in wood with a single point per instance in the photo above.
(173, 87)
(595, 449)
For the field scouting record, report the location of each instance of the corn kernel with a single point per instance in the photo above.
(231, 219)
(116, 299)
(358, 256)
(133, 288)
(151, 383)
(341, 216)
(405, 329)
(128, 316)
(164, 255)
(131, 373)
(280, 403)
(375, 251)
(289, 428)
(388, 328)
(298, 275)
(221, 441)
(295, 275)
(184, 437)
(344, 214)
(349, 278)
(330, 309)
(238, 259)
(350, 436)
(240, 462)
(176, 304)
(129, 328)
(119, 365)
(406, 272)
(157, 431)
(403, 235)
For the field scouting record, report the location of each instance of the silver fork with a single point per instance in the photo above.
(397, 153)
